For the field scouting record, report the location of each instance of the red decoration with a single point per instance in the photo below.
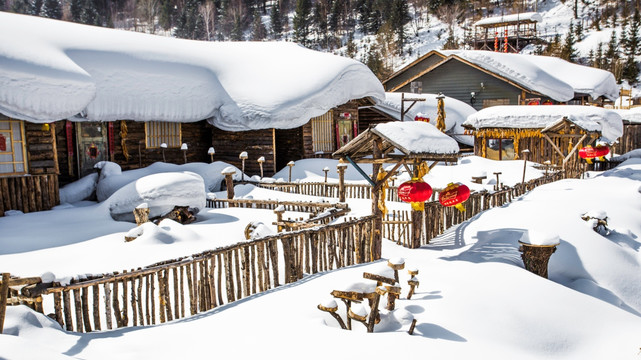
(548, 102)
(3, 143)
(416, 192)
(588, 153)
(110, 135)
(454, 195)
(421, 118)
(534, 102)
(68, 130)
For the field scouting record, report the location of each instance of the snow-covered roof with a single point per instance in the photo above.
(632, 115)
(547, 75)
(524, 17)
(55, 70)
(416, 137)
(590, 118)
(456, 111)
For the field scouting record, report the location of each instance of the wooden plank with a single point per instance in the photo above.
(4, 295)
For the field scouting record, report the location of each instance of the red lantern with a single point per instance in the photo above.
(415, 192)
(588, 153)
(421, 118)
(454, 195)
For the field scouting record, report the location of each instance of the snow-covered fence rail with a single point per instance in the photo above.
(437, 218)
(28, 193)
(308, 207)
(352, 191)
(186, 286)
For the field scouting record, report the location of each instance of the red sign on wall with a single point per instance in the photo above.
(3, 143)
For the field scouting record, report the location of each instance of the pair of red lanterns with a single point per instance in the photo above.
(590, 153)
(417, 192)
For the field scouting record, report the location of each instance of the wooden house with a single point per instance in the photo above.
(631, 138)
(484, 78)
(549, 133)
(135, 99)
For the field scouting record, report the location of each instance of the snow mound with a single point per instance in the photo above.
(166, 232)
(162, 192)
(21, 319)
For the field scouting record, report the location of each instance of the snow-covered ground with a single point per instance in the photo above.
(475, 299)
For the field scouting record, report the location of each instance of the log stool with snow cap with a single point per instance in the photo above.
(396, 264)
(331, 307)
(354, 293)
(537, 248)
(386, 275)
(412, 282)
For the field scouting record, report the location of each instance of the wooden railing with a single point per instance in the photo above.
(28, 193)
(437, 218)
(186, 286)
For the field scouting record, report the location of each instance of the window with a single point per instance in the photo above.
(495, 102)
(12, 152)
(158, 132)
(500, 149)
(322, 134)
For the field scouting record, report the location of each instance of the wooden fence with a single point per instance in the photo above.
(28, 193)
(437, 218)
(189, 285)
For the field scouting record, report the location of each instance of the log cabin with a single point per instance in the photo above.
(484, 78)
(95, 94)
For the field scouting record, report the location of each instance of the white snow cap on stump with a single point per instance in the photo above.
(541, 237)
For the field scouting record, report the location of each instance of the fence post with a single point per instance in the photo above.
(4, 294)
(341, 181)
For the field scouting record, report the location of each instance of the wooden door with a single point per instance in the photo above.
(92, 145)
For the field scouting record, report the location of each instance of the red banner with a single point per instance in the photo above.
(68, 128)
(110, 134)
(3, 143)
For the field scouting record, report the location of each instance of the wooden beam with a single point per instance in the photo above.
(389, 174)
(576, 146)
(360, 171)
(554, 146)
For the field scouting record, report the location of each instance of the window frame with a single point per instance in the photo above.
(157, 132)
(22, 146)
(323, 137)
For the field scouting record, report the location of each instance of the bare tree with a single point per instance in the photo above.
(208, 12)
(148, 10)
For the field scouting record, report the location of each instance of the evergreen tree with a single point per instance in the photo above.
(578, 31)
(351, 47)
(319, 22)
(399, 17)
(259, 31)
(568, 52)
(166, 14)
(633, 34)
(52, 9)
(598, 56)
(21, 6)
(190, 25)
(76, 10)
(301, 21)
(36, 7)
(276, 22)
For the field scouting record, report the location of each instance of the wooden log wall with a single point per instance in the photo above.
(290, 145)
(257, 143)
(41, 148)
(297, 206)
(630, 140)
(29, 193)
(437, 218)
(352, 191)
(183, 287)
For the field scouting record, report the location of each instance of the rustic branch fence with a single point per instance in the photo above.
(437, 218)
(186, 286)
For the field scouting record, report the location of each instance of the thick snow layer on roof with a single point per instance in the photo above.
(591, 118)
(530, 16)
(417, 137)
(632, 115)
(456, 112)
(550, 76)
(54, 70)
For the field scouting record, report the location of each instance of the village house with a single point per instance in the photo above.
(551, 134)
(486, 78)
(72, 95)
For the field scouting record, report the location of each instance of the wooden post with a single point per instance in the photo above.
(279, 217)
(4, 294)
(417, 217)
(229, 182)
(497, 187)
(525, 153)
(183, 147)
(536, 257)
(141, 214)
(211, 153)
(341, 181)
(377, 229)
(243, 156)
(291, 165)
(261, 160)
(325, 170)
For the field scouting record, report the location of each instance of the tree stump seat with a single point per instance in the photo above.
(536, 257)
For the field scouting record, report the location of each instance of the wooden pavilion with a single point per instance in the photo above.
(508, 33)
(403, 143)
